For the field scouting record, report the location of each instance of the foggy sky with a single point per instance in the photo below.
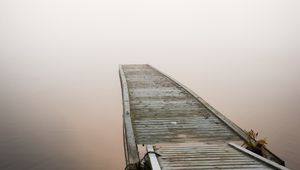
(59, 63)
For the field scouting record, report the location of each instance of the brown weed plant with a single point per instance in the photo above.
(255, 145)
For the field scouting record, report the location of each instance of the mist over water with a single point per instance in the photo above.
(60, 95)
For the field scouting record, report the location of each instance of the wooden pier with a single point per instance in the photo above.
(178, 129)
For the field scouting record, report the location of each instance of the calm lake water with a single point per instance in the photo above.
(60, 95)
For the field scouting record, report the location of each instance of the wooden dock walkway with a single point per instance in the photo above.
(178, 128)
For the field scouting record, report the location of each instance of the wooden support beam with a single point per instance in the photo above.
(130, 148)
(153, 159)
(254, 155)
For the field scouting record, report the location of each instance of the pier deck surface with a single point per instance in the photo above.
(183, 128)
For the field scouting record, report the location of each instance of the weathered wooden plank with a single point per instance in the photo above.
(205, 155)
(153, 159)
(131, 147)
(275, 165)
